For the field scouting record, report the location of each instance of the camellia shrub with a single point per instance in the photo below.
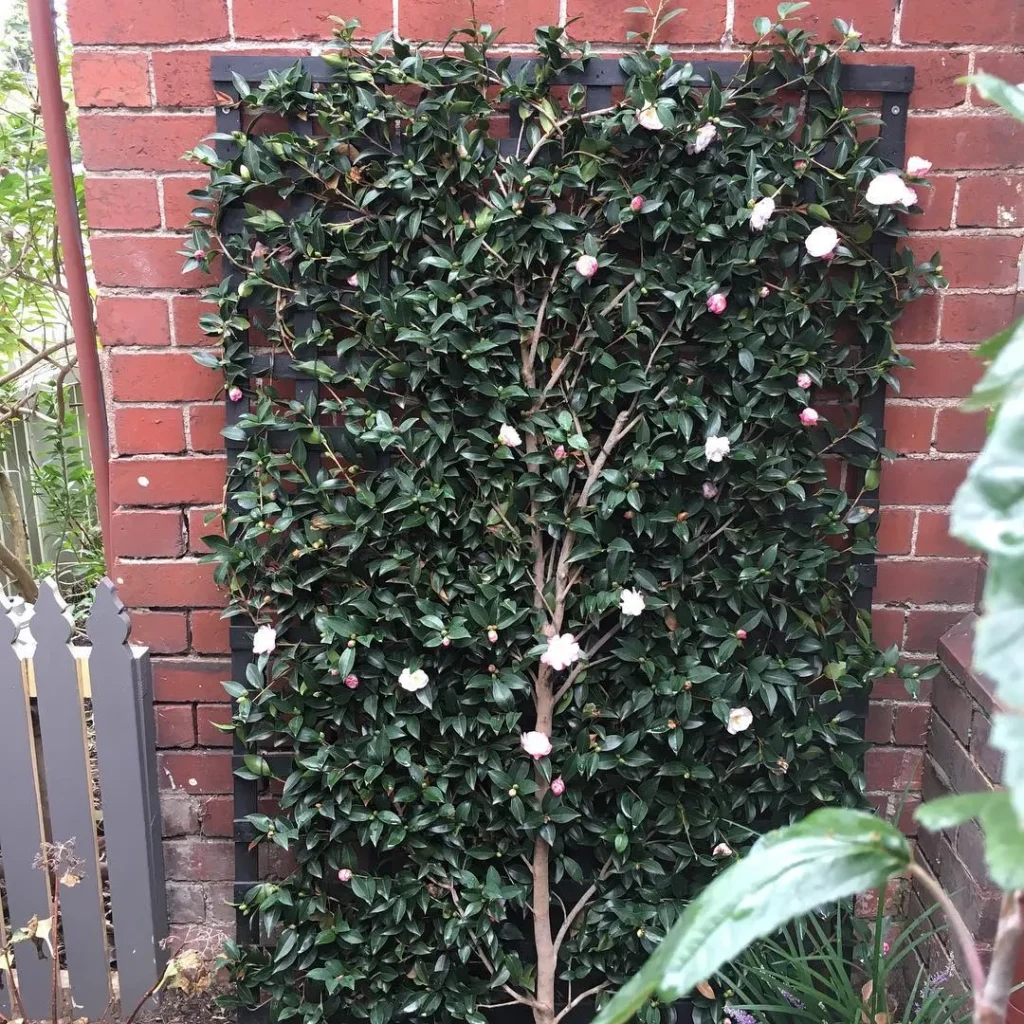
(560, 614)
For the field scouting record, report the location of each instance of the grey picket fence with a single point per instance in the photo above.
(78, 763)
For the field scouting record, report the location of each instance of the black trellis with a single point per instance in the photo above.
(893, 82)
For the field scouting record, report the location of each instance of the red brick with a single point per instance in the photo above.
(887, 627)
(206, 716)
(958, 431)
(608, 23)
(165, 584)
(307, 19)
(973, 317)
(195, 857)
(184, 679)
(965, 141)
(872, 18)
(991, 201)
(889, 769)
(180, 814)
(918, 323)
(182, 78)
(936, 72)
(178, 206)
(933, 537)
(129, 21)
(148, 533)
(940, 373)
(132, 320)
(143, 261)
(922, 481)
(959, 21)
(196, 772)
(908, 428)
(209, 632)
(185, 313)
(123, 204)
(926, 580)
(198, 527)
(978, 261)
(937, 204)
(161, 632)
(895, 531)
(175, 725)
(144, 142)
(926, 625)
(159, 376)
(185, 903)
(217, 815)
(149, 431)
(434, 19)
(878, 727)
(173, 481)
(111, 79)
(205, 423)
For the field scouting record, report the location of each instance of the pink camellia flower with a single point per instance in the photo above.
(559, 453)
(821, 242)
(492, 636)
(586, 266)
(235, 393)
(536, 744)
(353, 281)
(918, 167)
(809, 417)
(562, 651)
(741, 634)
(885, 945)
(722, 850)
(199, 254)
(800, 166)
(803, 380)
(716, 303)
(636, 204)
(446, 641)
(888, 189)
(344, 875)
(352, 680)
(709, 490)
(558, 786)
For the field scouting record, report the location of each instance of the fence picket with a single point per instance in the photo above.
(69, 793)
(122, 711)
(21, 824)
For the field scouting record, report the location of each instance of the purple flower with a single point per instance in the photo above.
(791, 999)
(741, 1016)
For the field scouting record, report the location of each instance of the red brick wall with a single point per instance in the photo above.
(142, 83)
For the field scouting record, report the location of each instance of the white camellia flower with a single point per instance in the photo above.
(822, 241)
(740, 719)
(716, 448)
(761, 213)
(631, 602)
(562, 651)
(264, 640)
(536, 744)
(509, 436)
(918, 167)
(888, 189)
(648, 117)
(413, 679)
(706, 134)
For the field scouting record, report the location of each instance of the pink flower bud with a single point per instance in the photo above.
(803, 380)
(235, 393)
(586, 266)
(446, 641)
(344, 875)
(709, 490)
(351, 680)
(199, 254)
(885, 945)
(636, 204)
(716, 303)
(492, 636)
(559, 452)
(809, 417)
(801, 166)
(558, 786)
(353, 281)
(765, 291)
(741, 634)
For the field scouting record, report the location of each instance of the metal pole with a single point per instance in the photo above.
(69, 227)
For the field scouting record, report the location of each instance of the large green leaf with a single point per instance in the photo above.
(1006, 350)
(1008, 736)
(829, 855)
(1009, 97)
(1004, 839)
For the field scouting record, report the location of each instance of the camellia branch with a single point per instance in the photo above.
(991, 1001)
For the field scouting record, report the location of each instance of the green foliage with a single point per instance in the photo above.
(429, 285)
(829, 855)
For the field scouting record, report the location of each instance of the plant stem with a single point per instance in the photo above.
(990, 1003)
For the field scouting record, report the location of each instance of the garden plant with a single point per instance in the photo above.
(550, 571)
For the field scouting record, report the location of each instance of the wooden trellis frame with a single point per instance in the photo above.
(893, 82)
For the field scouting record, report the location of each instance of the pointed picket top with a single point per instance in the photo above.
(52, 621)
(9, 629)
(109, 623)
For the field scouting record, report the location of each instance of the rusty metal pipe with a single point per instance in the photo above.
(69, 229)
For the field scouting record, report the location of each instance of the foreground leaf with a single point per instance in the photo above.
(1009, 97)
(831, 854)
